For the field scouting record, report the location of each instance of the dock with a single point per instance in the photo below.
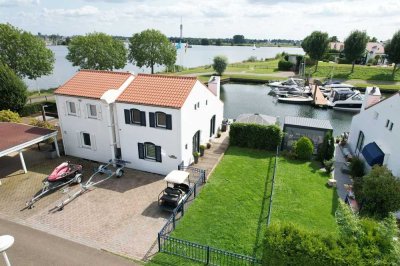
(319, 99)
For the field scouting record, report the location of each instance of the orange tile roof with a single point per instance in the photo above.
(93, 83)
(158, 90)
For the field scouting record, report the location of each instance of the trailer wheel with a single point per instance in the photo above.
(119, 173)
(78, 178)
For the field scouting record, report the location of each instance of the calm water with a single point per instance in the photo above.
(246, 98)
(196, 56)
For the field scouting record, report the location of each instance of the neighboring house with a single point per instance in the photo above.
(375, 131)
(338, 46)
(373, 49)
(162, 120)
(296, 127)
(155, 122)
(85, 109)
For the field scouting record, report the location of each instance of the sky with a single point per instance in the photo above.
(255, 19)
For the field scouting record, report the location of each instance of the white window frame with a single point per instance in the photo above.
(146, 156)
(157, 124)
(69, 111)
(83, 140)
(89, 115)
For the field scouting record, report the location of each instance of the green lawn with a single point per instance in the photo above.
(302, 197)
(343, 71)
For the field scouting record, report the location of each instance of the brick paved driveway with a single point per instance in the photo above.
(120, 215)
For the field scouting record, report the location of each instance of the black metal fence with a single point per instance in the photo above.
(190, 250)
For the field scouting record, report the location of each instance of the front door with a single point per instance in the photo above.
(196, 142)
(212, 126)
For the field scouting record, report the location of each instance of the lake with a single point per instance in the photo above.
(247, 98)
(196, 56)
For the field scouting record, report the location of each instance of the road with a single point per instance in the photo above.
(33, 247)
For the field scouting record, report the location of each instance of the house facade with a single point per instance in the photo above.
(155, 122)
(375, 131)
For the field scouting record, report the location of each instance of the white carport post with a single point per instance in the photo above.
(21, 156)
(56, 144)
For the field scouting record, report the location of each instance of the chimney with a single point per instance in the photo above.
(372, 96)
(214, 85)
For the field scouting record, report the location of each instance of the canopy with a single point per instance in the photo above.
(373, 154)
(177, 177)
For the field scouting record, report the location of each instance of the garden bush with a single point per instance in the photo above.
(284, 65)
(357, 168)
(255, 136)
(9, 116)
(35, 108)
(304, 148)
(13, 90)
(326, 149)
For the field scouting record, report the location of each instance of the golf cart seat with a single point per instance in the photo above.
(182, 187)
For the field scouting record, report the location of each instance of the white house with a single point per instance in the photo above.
(375, 131)
(155, 122)
(86, 117)
(162, 120)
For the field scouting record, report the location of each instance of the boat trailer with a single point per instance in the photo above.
(118, 171)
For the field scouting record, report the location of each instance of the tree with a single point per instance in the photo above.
(220, 64)
(333, 39)
(354, 46)
(151, 47)
(238, 39)
(13, 90)
(316, 45)
(24, 53)
(204, 41)
(373, 39)
(327, 148)
(218, 42)
(379, 192)
(97, 51)
(392, 49)
(304, 148)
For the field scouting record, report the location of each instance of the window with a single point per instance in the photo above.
(86, 140)
(195, 106)
(135, 117)
(71, 108)
(391, 126)
(387, 122)
(149, 151)
(360, 141)
(198, 104)
(160, 120)
(92, 110)
(206, 102)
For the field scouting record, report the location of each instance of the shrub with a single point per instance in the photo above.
(208, 145)
(309, 61)
(357, 168)
(252, 59)
(328, 164)
(35, 108)
(9, 116)
(255, 136)
(220, 64)
(326, 149)
(343, 61)
(304, 148)
(284, 65)
(39, 123)
(13, 90)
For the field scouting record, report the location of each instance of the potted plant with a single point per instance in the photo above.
(196, 157)
(208, 145)
(329, 165)
(202, 148)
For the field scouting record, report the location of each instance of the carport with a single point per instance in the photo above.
(15, 137)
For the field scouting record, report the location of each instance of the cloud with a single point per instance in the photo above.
(112, 1)
(16, 3)
(76, 12)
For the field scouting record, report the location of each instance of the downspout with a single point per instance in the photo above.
(111, 130)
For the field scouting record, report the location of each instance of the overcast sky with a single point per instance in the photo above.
(261, 19)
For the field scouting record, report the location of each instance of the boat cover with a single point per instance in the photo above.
(373, 154)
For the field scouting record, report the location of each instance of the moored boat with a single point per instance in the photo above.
(295, 99)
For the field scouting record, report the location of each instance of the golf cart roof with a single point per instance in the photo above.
(177, 177)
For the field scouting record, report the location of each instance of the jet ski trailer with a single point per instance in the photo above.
(113, 168)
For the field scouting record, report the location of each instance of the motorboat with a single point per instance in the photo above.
(345, 99)
(326, 89)
(295, 99)
(291, 91)
(289, 83)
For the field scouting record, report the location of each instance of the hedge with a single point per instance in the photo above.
(284, 65)
(34, 108)
(255, 136)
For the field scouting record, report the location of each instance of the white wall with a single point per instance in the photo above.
(169, 140)
(71, 126)
(199, 119)
(372, 122)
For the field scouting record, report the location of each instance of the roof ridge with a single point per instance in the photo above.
(106, 71)
(167, 76)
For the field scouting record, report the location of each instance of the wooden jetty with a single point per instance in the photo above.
(318, 98)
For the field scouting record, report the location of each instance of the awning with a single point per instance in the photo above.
(373, 154)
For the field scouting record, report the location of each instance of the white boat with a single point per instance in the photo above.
(289, 83)
(254, 46)
(345, 99)
(327, 89)
(295, 99)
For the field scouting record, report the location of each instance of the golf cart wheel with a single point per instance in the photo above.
(78, 178)
(119, 173)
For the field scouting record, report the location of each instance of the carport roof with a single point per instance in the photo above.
(308, 122)
(14, 136)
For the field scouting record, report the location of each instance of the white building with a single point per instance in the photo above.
(155, 122)
(375, 131)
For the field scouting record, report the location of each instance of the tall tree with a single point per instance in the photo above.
(354, 46)
(333, 39)
(220, 64)
(316, 45)
(24, 53)
(97, 51)
(392, 49)
(151, 47)
(12, 90)
(238, 39)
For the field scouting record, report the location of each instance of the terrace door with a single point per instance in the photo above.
(212, 126)
(196, 142)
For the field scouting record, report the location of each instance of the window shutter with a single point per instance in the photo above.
(142, 118)
(64, 107)
(127, 116)
(99, 111)
(79, 139)
(152, 120)
(93, 142)
(141, 150)
(169, 121)
(78, 108)
(158, 154)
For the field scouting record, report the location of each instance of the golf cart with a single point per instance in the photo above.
(178, 186)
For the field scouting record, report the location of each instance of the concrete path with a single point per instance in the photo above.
(341, 178)
(33, 247)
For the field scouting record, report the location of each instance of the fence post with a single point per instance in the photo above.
(208, 255)
(183, 208)
(159, 242)
(194, 189)
(173, 220)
